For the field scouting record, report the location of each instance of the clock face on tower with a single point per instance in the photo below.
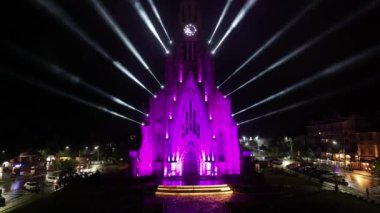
(190, 30)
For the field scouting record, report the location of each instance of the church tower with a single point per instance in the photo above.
(190, 131)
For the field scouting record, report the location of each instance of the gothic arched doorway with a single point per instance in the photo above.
(190, 165)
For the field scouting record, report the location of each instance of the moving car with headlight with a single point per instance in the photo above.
(31, 186)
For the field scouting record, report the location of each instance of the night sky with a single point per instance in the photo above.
(31, 117)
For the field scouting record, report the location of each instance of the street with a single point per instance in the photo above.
(17, 196)
(358, 181)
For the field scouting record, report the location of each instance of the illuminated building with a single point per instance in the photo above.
(190, 131)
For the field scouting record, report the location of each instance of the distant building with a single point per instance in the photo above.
(254, 145)
(335, 135)
(31, 163)
(368, 144)
(344, 140)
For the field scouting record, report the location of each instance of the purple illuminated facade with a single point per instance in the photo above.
(190, 131)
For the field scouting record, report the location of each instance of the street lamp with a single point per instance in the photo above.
(97, 149)
(257, 142)
(343, 151)
(67, 151)
(290, 140)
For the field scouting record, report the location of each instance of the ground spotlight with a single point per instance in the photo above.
(333, 69)
(117, 30)
(144, 16)
(342, 23)
(225, 9)
(243, 11)
(273, 39)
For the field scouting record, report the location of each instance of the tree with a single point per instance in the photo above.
(376, 167)
(310, 153)
(65, 165)
(43, 153)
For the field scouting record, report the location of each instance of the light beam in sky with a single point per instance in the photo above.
(273, 39)
(243, 11)
(333, 69)
(64, 94)
(155, 11)
(341, 24)
(315, 99)
(65, 19)
(144, 16)
(117, 30)
(225, 9)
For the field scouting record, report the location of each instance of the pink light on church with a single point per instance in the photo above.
(199, 74)
(180, 74)
(190, 149)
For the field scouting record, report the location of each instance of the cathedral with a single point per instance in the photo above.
(190, 131)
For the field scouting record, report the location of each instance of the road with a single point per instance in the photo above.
(16, 196)
(361, 180)
(358, 182)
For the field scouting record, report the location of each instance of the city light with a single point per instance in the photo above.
(65, 19)
(155, 11)
(225, 9)
(273, 39)
(117, 30)
(315, 99)
(333, 69)
(144, 16)
(342, 23)
(243, 11)
(61, 93)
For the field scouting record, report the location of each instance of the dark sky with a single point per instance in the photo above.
(31, 117)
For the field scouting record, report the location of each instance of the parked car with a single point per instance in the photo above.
(276, 162)
(51, 179)
(334, 178)
(31, 186)
(293, 166)
(2, 201)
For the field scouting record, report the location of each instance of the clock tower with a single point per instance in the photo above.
(190, 131)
